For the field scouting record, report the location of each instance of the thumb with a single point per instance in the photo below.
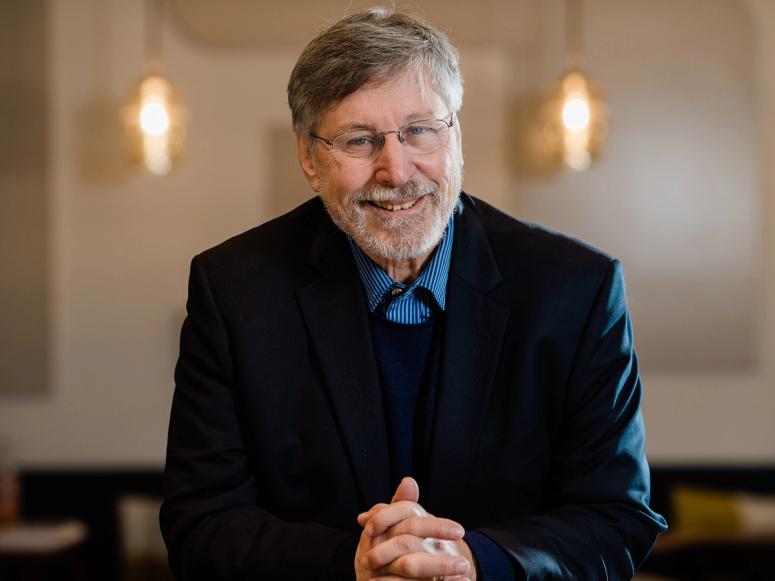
(408, 489)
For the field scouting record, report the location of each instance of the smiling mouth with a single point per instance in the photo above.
(394, 207)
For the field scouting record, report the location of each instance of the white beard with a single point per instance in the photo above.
(397, 238)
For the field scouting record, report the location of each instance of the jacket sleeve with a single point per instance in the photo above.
(211, 519)
(597, 524)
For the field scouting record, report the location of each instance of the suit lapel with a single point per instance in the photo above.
(336, 315)
(474, 330)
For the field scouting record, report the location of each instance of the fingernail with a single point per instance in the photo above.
(461, 567)
(458, 531)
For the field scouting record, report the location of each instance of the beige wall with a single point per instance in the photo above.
(23, 218)
(685, 182)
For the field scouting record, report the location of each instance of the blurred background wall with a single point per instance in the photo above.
(684, 194)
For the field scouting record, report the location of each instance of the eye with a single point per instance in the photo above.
(359, 141)
(418, 129)
(355, 141)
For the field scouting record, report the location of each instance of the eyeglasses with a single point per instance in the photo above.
(362, 146)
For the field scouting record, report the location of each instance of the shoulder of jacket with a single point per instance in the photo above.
(285, 238)
(521, 243)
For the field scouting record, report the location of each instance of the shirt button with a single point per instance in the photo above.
(396, 291)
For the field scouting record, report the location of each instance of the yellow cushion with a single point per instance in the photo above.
(700, 511)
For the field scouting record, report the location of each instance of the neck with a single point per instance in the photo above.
(404, 271)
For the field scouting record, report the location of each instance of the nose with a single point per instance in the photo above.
(393, 167)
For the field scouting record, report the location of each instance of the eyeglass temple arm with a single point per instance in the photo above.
(323, 139)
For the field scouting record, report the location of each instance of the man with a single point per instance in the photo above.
(395, 380)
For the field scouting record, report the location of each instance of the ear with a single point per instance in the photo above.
(307, 163)
(458, 138)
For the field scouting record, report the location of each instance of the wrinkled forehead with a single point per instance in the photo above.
(409, 88)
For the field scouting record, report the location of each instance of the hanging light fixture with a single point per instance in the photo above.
(154, 116)
(575, 125)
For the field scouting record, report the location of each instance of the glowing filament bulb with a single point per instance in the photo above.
(576, 114)
(154, 118)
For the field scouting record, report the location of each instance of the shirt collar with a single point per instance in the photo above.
(433, 277)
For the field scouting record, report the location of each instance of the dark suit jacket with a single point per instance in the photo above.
(277, 437)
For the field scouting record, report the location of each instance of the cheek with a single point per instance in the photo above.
(341, 185)
(435, 168)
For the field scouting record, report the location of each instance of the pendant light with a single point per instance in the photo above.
(154, 116)
(575, 125)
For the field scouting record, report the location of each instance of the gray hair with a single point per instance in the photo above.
(373, 45)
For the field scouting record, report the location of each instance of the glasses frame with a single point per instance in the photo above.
(449, 120)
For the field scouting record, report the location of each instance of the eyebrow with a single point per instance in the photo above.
(408, 119)
(353, 127)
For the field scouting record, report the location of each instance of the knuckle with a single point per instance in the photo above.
(435, 546)
(418, 510)
(403, 543)
(414, 525)
(372, 559)
(378, 521)
(411, 507)
(410, 567)
(449, 568)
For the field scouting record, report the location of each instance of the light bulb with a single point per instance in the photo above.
(576, 114)
(154, 118)
(575, 125)
(155, 122)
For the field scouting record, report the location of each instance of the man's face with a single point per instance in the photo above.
(397, 206)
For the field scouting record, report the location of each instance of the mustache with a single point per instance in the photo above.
(408, 191)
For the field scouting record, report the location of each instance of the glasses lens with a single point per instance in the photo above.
(362, 146)
(425, 136)
(356, 146)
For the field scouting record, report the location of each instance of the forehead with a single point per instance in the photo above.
(385, 105)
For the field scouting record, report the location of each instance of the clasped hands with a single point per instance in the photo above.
(401, 540)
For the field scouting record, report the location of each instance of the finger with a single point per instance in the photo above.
(429, 527)
(384, 553)
(365, 516)
(394, 513)
(422, 565)
(408, 489)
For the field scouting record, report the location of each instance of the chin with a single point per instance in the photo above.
(390, 248)
(404, 242)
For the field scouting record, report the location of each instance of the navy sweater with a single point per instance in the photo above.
(408, 362)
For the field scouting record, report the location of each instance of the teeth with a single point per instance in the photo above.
(394, 208)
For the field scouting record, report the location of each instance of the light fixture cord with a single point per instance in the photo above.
(574, 35)
(153, 37)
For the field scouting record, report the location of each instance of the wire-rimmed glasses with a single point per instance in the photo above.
(362, 146)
